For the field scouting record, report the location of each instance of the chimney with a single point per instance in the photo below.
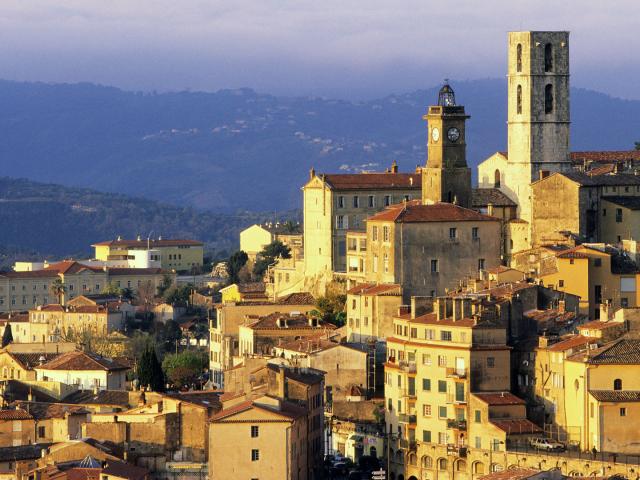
(312, 173)
(281, 380)
(394, 167)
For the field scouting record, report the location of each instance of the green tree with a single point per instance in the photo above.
(637, 145)
(150, 373)
(184, 368)
(178, 296)
(270, 255)
(236, 261)
(112, 288)
(7, 336)
(331, 307)
(165, 284)
(58, 289)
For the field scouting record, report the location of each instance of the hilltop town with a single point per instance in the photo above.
(413, 326)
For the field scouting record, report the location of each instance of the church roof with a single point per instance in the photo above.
(481, 197)
(438, 212)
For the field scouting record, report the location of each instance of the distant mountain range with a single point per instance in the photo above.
(39, 220)
(241, 150)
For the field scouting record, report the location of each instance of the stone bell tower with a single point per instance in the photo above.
(446, 178)
(538, 111)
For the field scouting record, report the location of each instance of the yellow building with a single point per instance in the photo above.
(244, 292)
(597, 274)
(430, 248)
(254, 238)
(336, 203)
(620, 218)
(435, 362)
(370, 310)
(264, 438)
(602, 386)
(175, 254)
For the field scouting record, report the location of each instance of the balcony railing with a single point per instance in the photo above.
(457, 424)
(457, 372)
(456, 399)
(409, 367)
(406, 418)
(409, 392)
(456, 450)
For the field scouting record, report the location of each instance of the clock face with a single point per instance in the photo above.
(435, 134)
(453, 134)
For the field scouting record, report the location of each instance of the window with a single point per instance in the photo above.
(374, 234)
(255, 430)
(340, 224)
(372, 201)
(560, 283)
(426, 410)
(478, 442)
(604, 212)
(624, 302)
(453, 233)
(442, 386)
(491, 362)
(474, 233)
(442, 412)
(387, 200)
(426, 359)
(548, 98)
(375, 264)
(434, 266)
(519, 58)
(481, 264)
(445, 335)
(442, 440)
(548, 58)
(617, 384)
(426, 436)
(385, 262)
(618, 215)
(597, 262)
(341, 202)
(385, 233)
(41, 432)
(442, 361)
(477, 416)
(519, 100)
(426, 384)
(356, 202)
(623, 412)
(255, 455)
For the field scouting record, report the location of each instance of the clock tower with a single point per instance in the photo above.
(446, 178)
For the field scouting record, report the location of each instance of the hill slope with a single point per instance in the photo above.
(242, 150)
(45, 219)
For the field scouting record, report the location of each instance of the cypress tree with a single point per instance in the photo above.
(7, 336)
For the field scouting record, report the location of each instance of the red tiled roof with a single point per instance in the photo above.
(438, 212)
(605, 156)
(67, 267)
(499, 398)
(432, 319)
(297, 322)
(570, 343)
(287, 409)
(599, 325)
(516, 425)
(374, 289)
(602, 169)
(46, 273)
(152, 243)
(42, 410)
(82, 361)
(17, 414)
(374, 181)
(125, 470)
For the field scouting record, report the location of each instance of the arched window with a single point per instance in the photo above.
(519, 100)
(478, 468)
(548, 58)
(519, 57)
(548, 98)
(617, 384)
(496, 179)
(426, 462)
(442, 464)
(461, 466)
(373, 452)
(413, 459)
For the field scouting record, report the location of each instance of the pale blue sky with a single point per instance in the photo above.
(344, 48)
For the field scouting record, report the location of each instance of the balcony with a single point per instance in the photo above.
(409, 367)
(409, 393)
(456, 373)
(456, 450)
(408, 419)
(408, 444)
(456, 399)
(457, 424)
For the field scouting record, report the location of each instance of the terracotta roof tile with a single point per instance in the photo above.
(516, 425)
(499, 398)
(482, 197)
(605, 156)
(376, 289)
(375, 181)
(42, 411)
(438, 212)
(616, 395)
(297, 298)
(82, 361)
(571, 343)
(152, 243)
(15, 414)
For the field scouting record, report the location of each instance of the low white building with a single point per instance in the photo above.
(86, 371)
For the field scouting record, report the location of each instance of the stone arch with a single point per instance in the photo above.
(460, 465)
(412, 459)
(413, 477)
(426, 461)
(496, 467)
(548, 57)
(519, 57)
(442, 463)
(519, 100)
(575, 473)
(400, 477)
(617, 384)
(548, 98)
(512, 467)
(373, 452)
(399, 456)
(477, 468)
(496, 178)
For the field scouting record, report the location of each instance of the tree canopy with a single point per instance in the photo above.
(150, 373)
(236, 261)
(269, 255)
(7, 336)
(184, 368)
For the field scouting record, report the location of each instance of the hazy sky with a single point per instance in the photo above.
(345, 48)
